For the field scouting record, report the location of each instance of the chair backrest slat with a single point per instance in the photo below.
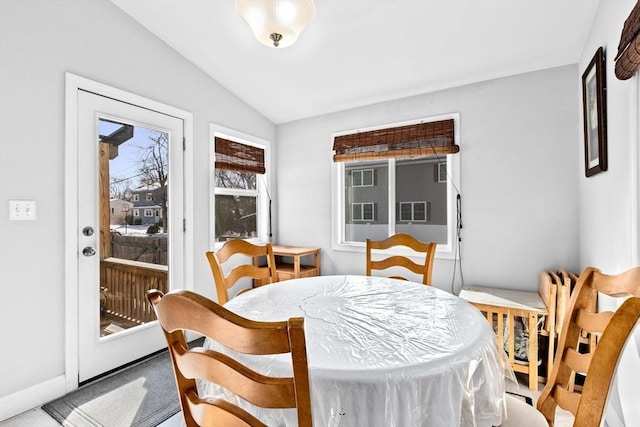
(578, 362)
(594, 323)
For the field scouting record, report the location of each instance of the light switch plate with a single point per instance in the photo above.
(22, 210)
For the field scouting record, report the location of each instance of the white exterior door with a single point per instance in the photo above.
(130, 234)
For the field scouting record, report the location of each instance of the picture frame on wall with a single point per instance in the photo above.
(594, 105)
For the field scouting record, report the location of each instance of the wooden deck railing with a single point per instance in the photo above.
(125, 283)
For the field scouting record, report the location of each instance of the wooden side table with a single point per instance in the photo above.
(289, 262)
(510, 304)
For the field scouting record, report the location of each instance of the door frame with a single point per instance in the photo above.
(74, 83)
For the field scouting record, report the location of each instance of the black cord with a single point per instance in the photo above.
(457, 257)
(270, 234)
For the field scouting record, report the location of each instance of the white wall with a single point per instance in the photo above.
(609, 220)
(606, 198)
(518, 143)
(39, 42)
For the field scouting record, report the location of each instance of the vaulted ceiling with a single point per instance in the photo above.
(359, 52)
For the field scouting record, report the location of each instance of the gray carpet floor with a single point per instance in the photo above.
(141, 395)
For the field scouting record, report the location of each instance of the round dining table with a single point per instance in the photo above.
(381, 352)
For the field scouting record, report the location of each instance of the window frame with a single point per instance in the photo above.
(338, 177)
(263, 184)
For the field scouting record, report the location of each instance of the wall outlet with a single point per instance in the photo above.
(22, 210)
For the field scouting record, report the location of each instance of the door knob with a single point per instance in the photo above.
(88, 251)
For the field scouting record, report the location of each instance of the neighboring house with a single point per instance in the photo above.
(147, 203)
(120, 209)
(420, 200)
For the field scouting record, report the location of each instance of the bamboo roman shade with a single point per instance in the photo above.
(417, 140)
(628, 57)
(237, 157)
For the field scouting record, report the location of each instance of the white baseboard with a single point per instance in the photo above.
(39, 394)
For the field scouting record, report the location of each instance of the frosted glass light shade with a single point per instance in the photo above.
(277, 23)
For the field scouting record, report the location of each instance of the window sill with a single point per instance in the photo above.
(442, 251)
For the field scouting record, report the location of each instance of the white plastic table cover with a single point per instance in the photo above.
(381, 352)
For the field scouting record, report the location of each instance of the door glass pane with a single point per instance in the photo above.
(418, 187)
(366, 201)
(133, 207)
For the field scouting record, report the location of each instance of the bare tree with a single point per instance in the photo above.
(229, 179)
(154, 169)
(120, 188)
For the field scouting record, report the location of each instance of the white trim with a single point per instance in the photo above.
(31, 397)
(262, 203)
(187, 204)
(338, 220)
(73, 84)
(391, 199)
(634, 172)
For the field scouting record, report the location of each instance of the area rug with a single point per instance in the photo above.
(141, 395)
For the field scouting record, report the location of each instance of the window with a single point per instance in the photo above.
(240, 204)
(362, 178)
(136, 197)
(415, 212)
(149, 197)
(442, 172)
(362, 211)
(136, 212)
(148, 212)
(413, 194)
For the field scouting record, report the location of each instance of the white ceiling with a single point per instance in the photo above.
(359, 52)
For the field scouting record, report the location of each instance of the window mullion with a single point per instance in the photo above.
(392, 196)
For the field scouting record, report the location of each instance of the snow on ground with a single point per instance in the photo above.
(131, 230)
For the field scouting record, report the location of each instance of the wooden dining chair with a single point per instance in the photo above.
(548, 291)
(261, 269)
(181, 310)
(423, 249)
(567, 282)
(598, 364)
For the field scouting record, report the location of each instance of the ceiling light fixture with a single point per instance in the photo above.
(277, 23)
